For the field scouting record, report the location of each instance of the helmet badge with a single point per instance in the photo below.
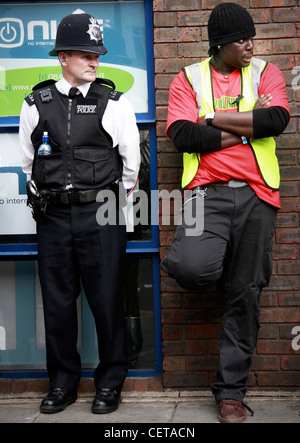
(94, 30)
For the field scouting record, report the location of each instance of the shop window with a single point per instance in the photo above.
(22, 336)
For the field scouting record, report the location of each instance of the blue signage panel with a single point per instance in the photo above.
(28, 33)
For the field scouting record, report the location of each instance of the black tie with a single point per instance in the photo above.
(74, 92)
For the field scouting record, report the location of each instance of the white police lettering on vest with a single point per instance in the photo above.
(86, 109)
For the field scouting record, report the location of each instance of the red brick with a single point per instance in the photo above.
(187, 18)
(19, 386)
(202, 331)
(196, 364)
(35, 386)
(284, 46)
(280, 315)
(278, 347)
(163, 20)
(263, 363)
(289, 299)
(172, 332)
(275, 30)
(5, 386)
(155, 384)
(141, 385)
(278, 379)
(286, 15)
(174, 364)
(289, 268)
(288, 235)
(285, 252)
(290, 363)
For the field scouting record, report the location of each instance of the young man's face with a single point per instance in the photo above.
(238, 54)
(79, 67)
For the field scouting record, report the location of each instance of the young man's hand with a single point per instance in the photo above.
(263, 101)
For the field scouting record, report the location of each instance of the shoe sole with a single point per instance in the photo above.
(107, 410)
(103, 410)
(231, 420)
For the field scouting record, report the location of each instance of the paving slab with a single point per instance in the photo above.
(152, 408)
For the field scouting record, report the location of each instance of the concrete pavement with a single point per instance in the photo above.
(168, 408)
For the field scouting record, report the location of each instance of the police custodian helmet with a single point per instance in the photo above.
(79, 31)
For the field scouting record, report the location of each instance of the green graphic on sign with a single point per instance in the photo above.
(16, 84)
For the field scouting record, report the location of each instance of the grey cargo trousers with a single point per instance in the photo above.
(233, 253)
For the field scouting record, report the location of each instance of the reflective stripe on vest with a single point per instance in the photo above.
(199, 76)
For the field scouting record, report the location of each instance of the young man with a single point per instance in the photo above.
(223, 114)
(95, 144)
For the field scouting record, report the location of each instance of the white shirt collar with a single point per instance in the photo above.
(64, 87)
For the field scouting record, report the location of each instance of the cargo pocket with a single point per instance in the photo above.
(92, 165)
(48, 170)
(171, 264)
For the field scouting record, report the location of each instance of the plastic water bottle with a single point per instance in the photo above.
(45, 148)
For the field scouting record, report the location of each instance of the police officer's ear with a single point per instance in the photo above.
(62, 58)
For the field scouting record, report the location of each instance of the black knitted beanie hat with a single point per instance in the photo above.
(229, 22)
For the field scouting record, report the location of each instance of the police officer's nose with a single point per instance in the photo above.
(94, 62)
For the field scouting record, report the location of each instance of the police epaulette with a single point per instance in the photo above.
(30, 98)
(106, 82)
(115, 95)
(43, 84)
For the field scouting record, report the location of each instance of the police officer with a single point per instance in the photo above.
(95, 144)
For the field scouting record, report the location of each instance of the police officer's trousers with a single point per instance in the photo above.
(233, 253)
(73, 249)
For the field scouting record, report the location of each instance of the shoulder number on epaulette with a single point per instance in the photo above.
(115, 95)
(30, 99)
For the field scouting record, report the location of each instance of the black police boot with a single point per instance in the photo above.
(106, 401)
(57, 400)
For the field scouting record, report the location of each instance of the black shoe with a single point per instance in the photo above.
(57, 400)
(105, 401)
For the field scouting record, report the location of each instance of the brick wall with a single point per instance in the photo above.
(191, 322)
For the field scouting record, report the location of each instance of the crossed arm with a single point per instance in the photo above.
(227, 128)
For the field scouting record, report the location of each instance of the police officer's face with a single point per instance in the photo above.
(79, 67)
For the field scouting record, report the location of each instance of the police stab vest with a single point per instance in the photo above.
(82, 151)
(199, 76)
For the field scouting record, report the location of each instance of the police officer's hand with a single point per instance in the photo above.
(263, 101)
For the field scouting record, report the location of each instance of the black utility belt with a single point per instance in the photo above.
(73, 196)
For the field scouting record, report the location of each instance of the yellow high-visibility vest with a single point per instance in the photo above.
(200, 77)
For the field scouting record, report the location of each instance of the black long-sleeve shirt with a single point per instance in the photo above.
(192, 137)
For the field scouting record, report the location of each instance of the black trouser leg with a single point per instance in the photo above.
(247, 270)
(59, 278)
(72, 246)
(101, 256)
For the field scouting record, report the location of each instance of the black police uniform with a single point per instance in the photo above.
(73, 248)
